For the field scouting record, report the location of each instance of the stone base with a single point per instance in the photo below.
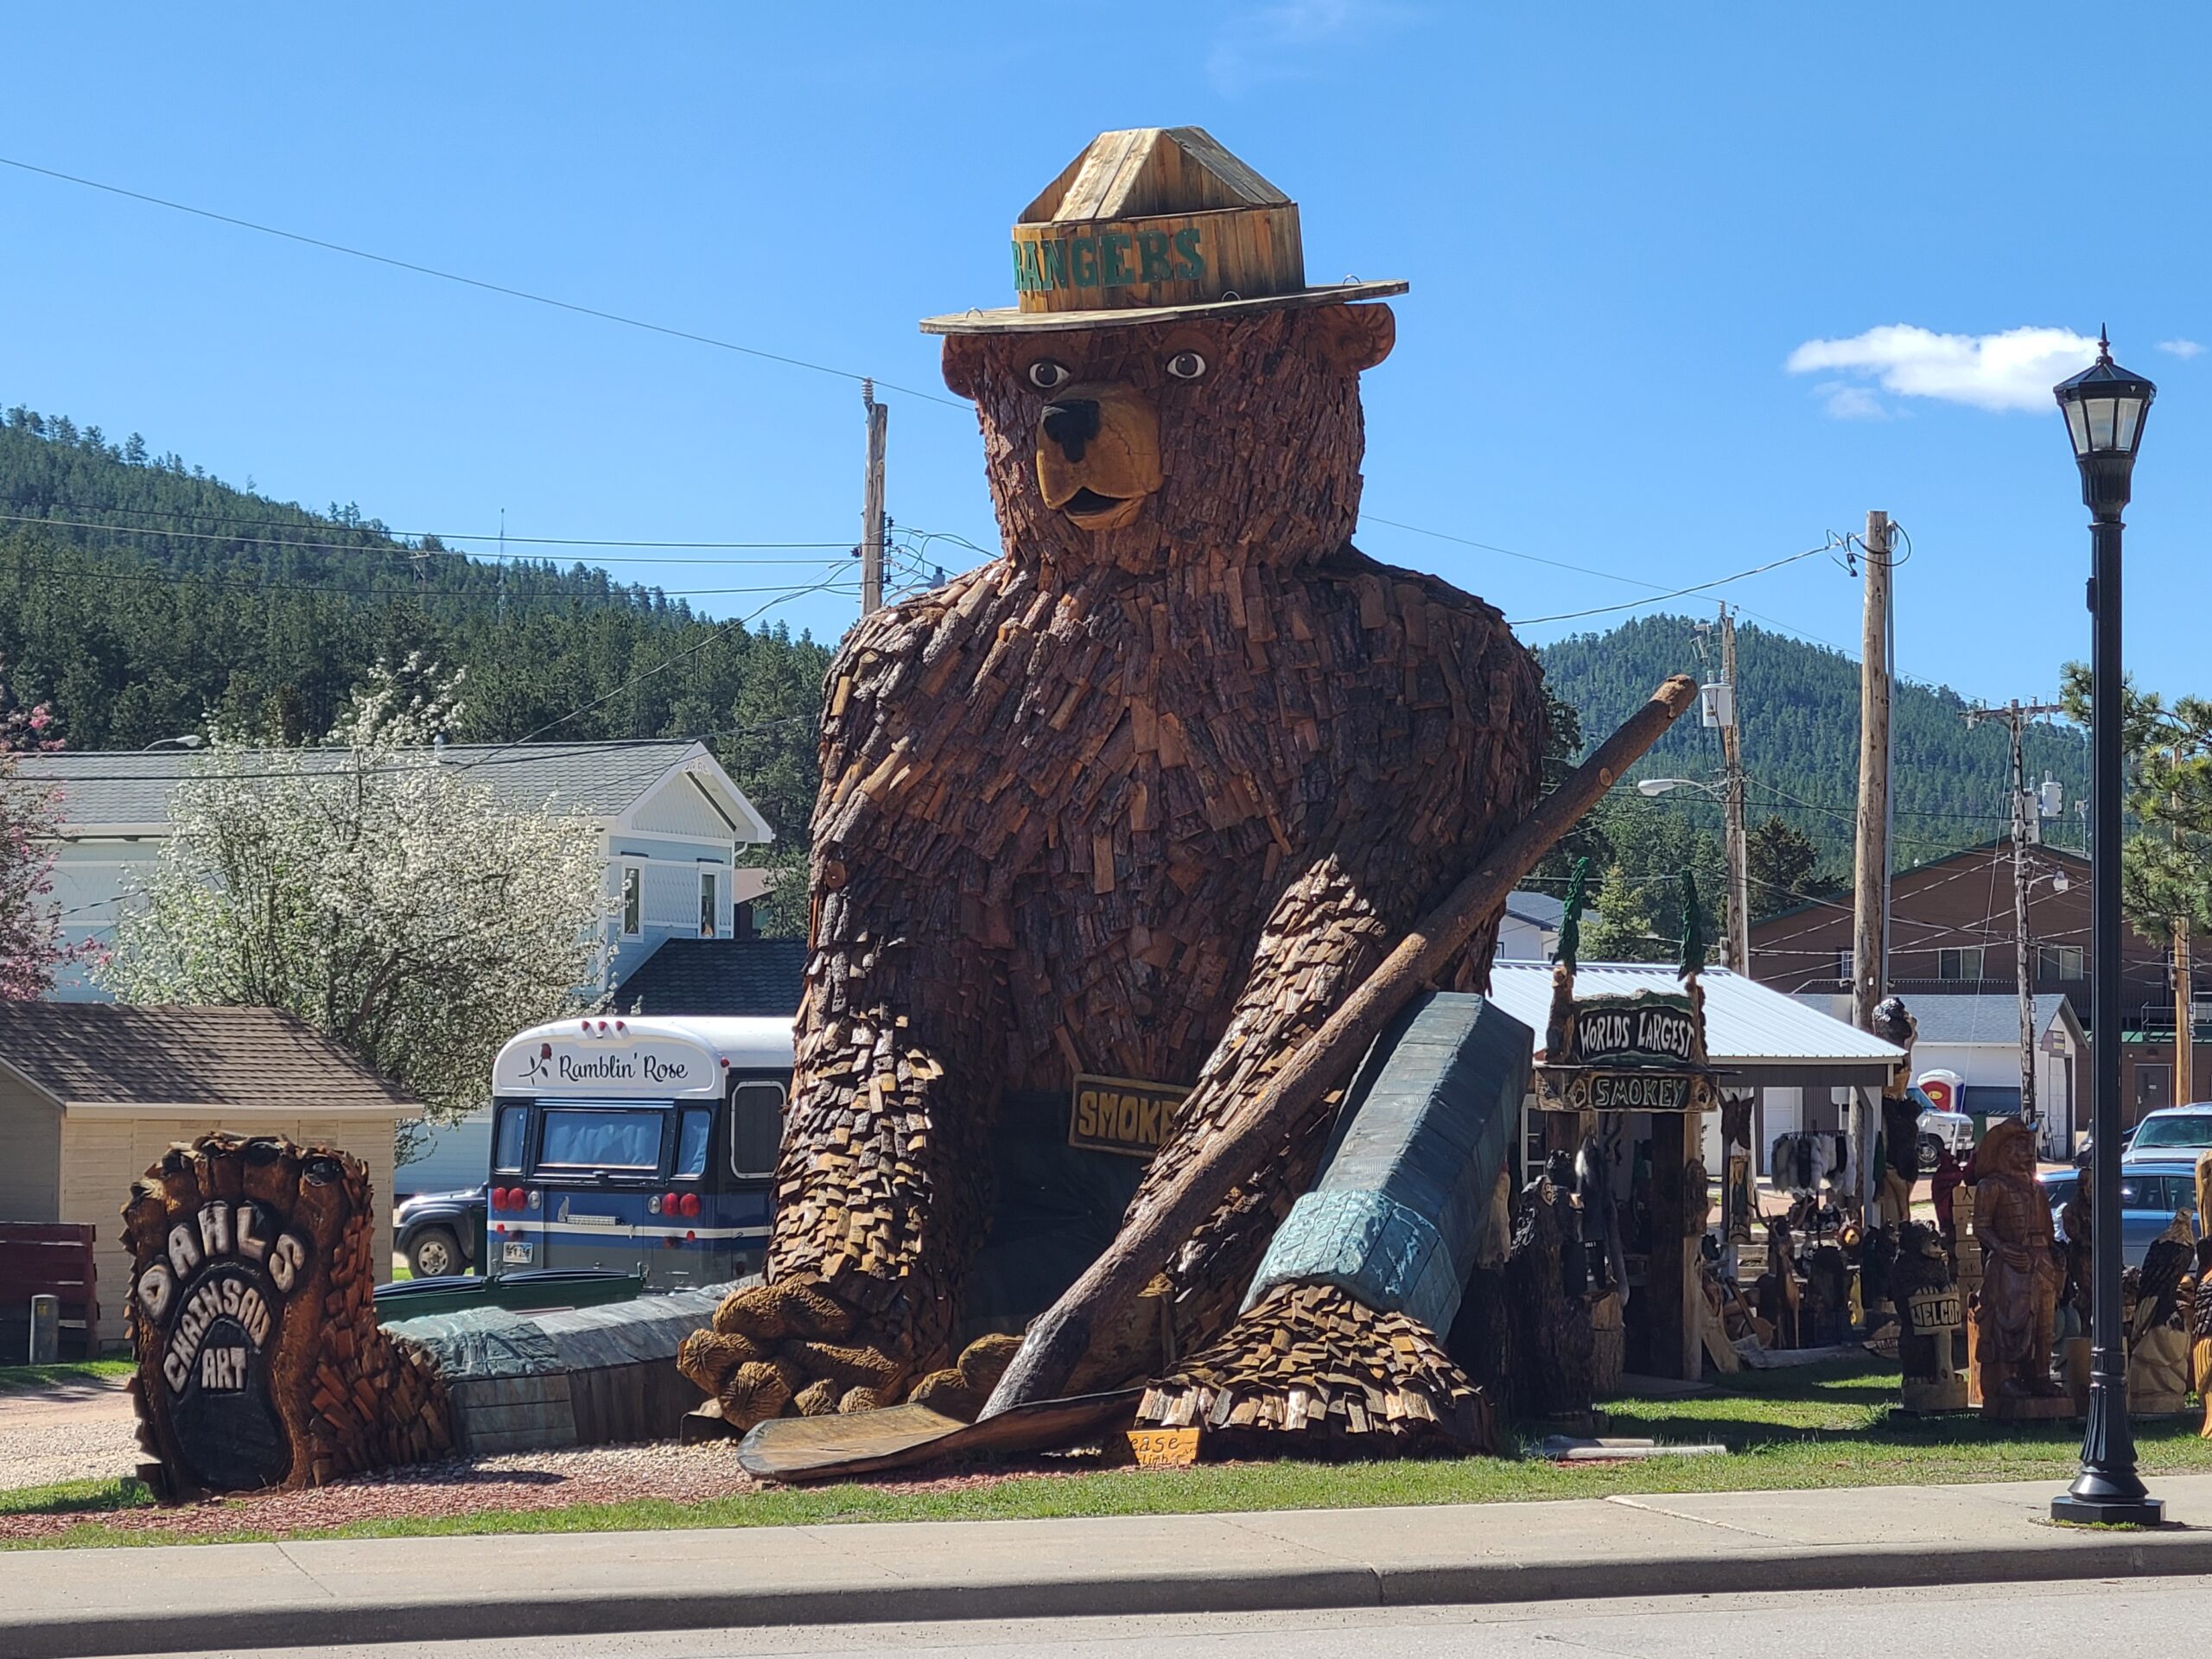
(1947, 1394)
(2026, 1407)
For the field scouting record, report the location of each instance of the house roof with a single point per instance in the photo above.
(1962, 1017)
(1542, 910)
(110, 790)
(760, 977)
(1746, 1023)
(107, 1054)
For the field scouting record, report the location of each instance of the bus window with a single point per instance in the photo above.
(691, 1142)
(507, 1142)
(756, 1115)
(601, 1137)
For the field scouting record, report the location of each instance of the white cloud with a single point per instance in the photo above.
(2180, 347)
(2015, 370)
(1278, 42)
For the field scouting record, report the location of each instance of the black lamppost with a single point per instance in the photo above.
(2104, 408)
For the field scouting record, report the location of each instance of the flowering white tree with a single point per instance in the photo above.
(390, 899)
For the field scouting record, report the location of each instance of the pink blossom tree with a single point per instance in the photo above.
(31, 947)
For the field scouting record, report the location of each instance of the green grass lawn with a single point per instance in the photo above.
(69, 1370)
(1825, 1426)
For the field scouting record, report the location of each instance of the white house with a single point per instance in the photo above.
(673, 824)
(1529, 932)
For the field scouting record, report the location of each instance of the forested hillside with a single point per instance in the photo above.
(137, 594)
(1798, 707)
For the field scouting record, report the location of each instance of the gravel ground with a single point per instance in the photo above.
(535, 1480)
(80, 1431)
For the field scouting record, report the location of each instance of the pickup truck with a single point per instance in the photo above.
(437, 1232)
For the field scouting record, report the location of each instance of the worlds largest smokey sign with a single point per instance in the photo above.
(1641, 1053)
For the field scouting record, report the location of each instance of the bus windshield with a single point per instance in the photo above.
(625, 1141)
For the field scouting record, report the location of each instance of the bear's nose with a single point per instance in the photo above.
(1071, 423)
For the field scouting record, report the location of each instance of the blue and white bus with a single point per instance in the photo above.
(640, 1145)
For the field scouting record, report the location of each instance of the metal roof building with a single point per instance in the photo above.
(1751, 1030)
(1795, 1059)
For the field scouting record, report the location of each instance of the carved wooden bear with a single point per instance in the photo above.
(1144, 798)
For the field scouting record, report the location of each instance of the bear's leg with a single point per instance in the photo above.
(882, 1189)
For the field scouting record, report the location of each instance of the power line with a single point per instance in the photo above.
(1679, 593)
(396, 551)
(665, 664)
(469, 281)
(1488, 547)
(309, 520)
(616, 590)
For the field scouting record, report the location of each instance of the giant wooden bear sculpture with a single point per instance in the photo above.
(1144, 798)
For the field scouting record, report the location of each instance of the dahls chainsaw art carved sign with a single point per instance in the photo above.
(260, 1362)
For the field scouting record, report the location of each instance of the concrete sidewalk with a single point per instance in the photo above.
(242, 1596)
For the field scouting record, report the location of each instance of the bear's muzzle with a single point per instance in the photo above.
(1098, 454)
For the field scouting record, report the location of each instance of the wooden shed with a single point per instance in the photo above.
(91, 1093)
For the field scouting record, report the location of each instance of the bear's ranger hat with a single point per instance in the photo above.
(1154, 224)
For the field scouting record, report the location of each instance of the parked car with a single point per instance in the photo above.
(2150, 1190)
(437, 1232)
(2172, 1132)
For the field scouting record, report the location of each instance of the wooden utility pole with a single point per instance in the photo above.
(2016, 715)
(1731, 754)
(879, 420)
(2184, 1025)
(1870, 938)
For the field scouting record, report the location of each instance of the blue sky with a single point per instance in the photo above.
(1692, 287)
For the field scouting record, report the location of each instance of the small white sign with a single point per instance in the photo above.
(606, 1068)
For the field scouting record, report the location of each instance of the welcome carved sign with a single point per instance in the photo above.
(253, 1319)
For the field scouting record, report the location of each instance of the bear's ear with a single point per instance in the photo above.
(1354, 338)
(963, 357)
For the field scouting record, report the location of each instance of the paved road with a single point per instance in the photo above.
(2019, 1622)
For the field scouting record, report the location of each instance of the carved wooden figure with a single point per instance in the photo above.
(2159, 1321)
(1900, 1169)
(1929, 1309)
(260, 1361)
(1143, 797)
(2019, 1278)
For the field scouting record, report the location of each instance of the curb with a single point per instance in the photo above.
(2172, 1553)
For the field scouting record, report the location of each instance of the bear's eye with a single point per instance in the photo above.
(1187, 365)
(1044, 374)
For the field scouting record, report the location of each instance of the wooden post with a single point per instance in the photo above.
(1059, 1337)
(1676, 1318)
(1732, 752)
(1870, 967)
(879, 420)
(2016, 716)
(1870, 944)
(2023, 968)
(2184, 1026)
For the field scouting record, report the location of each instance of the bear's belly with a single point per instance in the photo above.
(1133, 974)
